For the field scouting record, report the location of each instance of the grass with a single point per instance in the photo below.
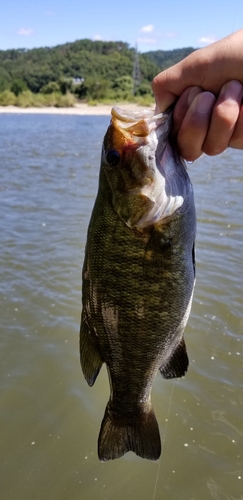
(27, 99)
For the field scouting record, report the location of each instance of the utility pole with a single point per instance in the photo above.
(136, 71)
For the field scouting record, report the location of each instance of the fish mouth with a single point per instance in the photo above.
(136, 124)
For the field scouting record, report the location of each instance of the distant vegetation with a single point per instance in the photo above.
(80, 71)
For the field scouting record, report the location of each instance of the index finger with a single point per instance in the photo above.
(170, 84)
(164, 98)
(208, 68)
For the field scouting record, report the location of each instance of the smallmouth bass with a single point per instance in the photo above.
(138, 277)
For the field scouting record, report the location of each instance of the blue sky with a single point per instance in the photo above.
(152, 24)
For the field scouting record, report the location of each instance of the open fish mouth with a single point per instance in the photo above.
(136, 123)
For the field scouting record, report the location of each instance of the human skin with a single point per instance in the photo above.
(207, 89)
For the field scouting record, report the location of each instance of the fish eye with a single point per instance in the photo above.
(112, 157)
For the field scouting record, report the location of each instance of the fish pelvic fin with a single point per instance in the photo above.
(139, 434)
(90, 359)
(178, 363)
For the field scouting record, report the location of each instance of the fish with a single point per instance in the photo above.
(138, 276)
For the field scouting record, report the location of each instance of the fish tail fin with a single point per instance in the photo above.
(139, 434)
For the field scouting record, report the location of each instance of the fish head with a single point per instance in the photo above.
(133, 155)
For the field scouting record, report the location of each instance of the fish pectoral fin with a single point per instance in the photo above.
(119, 434)
(178, 363)
(90, 359)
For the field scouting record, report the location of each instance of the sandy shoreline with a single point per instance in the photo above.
(79, 109)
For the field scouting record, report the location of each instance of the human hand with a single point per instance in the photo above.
(206, 124)
(208, 115)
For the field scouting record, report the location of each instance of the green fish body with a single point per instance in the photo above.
(138, 277)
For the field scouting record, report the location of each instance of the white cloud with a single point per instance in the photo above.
(98, 37)
(25, 31)
(206, 40)
(155, 37)
(148, 29)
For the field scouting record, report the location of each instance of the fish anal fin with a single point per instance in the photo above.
(118, 435)
(177, 365)
(90, 359)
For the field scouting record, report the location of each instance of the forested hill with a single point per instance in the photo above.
(88, 69)
(166, 58)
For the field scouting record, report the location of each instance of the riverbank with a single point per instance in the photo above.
(78, 109)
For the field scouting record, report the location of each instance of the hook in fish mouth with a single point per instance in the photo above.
(137, 123)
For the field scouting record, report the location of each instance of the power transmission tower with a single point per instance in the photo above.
(136, 71)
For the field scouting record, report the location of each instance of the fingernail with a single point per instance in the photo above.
(203, 103)
(232, 90)
(194, 91)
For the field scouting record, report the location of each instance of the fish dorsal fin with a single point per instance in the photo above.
(178, 363)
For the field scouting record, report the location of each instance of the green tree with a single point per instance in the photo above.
(5, 79)
(50, 87)
(144, 89)
(18, 86)
(97, 88)
(123, 87)
(80, 90)
(65, 85)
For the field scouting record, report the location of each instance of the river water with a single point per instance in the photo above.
(50, 418)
